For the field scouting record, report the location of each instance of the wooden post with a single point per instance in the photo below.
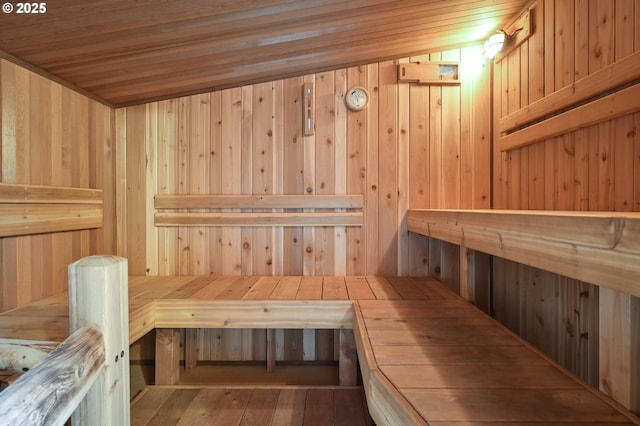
(620, 347)
(98, 297)
(190, 348)
(271, 350)
(167, 356)
(348, 359)
(466, 283)
(474, 277)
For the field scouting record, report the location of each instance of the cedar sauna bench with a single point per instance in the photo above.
(426, 355)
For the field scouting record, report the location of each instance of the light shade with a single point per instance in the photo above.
(494, 45)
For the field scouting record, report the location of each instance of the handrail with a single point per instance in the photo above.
(50, 391)
(88, 372)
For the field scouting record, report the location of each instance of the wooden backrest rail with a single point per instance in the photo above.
(272, 210)
(603, 95)
(48, 393)
(37, 209)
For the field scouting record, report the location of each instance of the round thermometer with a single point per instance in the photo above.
(357, 98)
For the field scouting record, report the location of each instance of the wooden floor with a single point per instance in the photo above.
(263, 406)
(426, 355)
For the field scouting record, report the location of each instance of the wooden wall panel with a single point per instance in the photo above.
(249, 141)
(595, 168)
(52, 135)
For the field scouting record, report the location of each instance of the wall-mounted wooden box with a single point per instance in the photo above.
(429, 73)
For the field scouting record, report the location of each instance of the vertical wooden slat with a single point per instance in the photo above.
(514, 185)
(435, 142)
(309, 178)
(404, 138)
(325, 164)
(340, 144)
(136, 190)
(277, 261)
(451, 139)
(262, 171)
(373, 180)
(481, 133)
(151, 181)
(601, 34)
(419, 158)
(499, 102)
(548, 19)
(536, 85)
(419, 170)
(357, 172)
(564, 44)
(231, 176)
(167, 184)
(524, 100)
(387, 170)
(184, 250)
(247, 174)
(292, 171)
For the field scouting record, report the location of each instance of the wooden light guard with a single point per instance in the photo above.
(37, 209)
(610, 92)
(275, 210)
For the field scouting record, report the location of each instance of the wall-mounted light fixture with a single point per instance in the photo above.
(495, 44)
(505, 40)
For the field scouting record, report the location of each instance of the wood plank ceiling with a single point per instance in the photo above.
(128, 52)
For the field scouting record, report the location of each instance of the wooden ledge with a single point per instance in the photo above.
(601, 248)
(189, 313)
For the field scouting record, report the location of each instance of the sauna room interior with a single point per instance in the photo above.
(320, 212)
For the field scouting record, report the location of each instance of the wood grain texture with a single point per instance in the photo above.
(52, 137)
(27, 219)
(577, 49)
(267, 405)
(66, 374)
(179, 51)
(596, 247)
(442, 360)
(352, 157)
(99, 294)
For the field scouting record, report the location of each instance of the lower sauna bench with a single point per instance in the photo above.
(425, 355)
